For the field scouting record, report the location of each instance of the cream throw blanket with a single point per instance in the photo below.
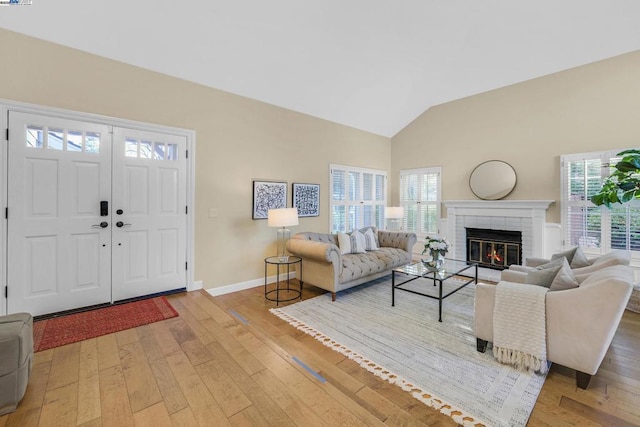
(519, 326)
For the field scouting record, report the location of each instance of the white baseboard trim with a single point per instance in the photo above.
(195, 286)
(235, 287)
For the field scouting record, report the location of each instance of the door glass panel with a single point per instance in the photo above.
(131, 147)
(74, 140)
(158, 150)
(172, 152)
(55, 139)
(35, 136)
(145, 149)
(92, 143)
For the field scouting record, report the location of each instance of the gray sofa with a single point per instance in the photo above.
(16, 359)
(325, 267)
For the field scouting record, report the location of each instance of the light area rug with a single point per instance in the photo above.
(407, 346)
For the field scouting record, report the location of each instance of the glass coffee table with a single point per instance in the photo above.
(417, 270)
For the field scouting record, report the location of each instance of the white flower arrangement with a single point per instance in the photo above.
(436, 244)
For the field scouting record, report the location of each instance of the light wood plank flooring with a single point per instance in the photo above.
(227, 361)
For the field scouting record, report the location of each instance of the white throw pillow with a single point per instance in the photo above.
(370, 240)
(361, 242)
(349, 243)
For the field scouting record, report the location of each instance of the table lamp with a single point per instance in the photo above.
(394, 215)
(282, 218)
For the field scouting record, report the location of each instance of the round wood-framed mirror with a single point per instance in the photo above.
(492, 180)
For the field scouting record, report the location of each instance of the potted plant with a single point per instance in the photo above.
(623, 185)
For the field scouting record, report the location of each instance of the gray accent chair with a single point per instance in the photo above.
(16, 359)
(325, 267)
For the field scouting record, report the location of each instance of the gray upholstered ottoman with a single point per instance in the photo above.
(16, 356)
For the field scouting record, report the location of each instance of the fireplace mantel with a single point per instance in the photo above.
(530, 205)
(527, 216)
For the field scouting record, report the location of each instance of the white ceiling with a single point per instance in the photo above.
(371, 64)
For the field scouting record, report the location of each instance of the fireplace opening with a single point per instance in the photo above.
(496, 249)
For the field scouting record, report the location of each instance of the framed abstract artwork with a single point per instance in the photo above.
(306, 198)
(268, 195)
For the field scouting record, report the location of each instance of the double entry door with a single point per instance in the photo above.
(96, 213)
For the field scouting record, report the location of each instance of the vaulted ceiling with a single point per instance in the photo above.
(371, 64)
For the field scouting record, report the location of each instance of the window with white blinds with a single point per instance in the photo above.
(358, 198)
(420, 197)
(595, 228)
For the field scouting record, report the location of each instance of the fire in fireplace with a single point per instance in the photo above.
(496, 249)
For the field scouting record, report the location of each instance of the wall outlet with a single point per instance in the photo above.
(213, 213)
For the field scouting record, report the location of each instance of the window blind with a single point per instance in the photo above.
(595, 228)
(420, 191)
(358, 198)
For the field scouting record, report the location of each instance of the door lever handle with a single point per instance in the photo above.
(103, 224)
(121, 224)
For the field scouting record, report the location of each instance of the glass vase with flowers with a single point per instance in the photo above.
(436, 248)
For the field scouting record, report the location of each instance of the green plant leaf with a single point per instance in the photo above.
(631, 151)
(627, 166)
(628, 185)
(627, 196)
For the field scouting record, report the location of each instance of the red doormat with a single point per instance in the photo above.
(76, 327)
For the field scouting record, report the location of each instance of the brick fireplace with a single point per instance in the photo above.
(527, 217)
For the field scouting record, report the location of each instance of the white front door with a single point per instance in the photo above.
(149, 213)
(58, 257)
(93, 216)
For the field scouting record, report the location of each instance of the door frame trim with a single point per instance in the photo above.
(190, 135)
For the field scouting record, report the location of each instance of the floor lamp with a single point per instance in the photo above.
(394, 216)
(282, 218)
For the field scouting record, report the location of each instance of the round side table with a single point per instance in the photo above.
(274, 294)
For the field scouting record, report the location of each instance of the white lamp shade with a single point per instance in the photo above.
(282, 217)
(393, 212)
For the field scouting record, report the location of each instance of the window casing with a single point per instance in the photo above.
(596, 229)
(358, 197)
(420, 192)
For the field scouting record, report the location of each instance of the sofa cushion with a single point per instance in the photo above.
(543, 277)
(351, 243)
(355, 266)
(374, 232)
(557, 276)
(565, 279)
(553, 263)
(568, 254)
(579, 259)
(371, 240)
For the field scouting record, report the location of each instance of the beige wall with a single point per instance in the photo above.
(529, 125)
(238, 140)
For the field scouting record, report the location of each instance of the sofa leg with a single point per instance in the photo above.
(582, 380)
(481, 345)
(333, 296)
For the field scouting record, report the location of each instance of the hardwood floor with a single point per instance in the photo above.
(227, 361)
